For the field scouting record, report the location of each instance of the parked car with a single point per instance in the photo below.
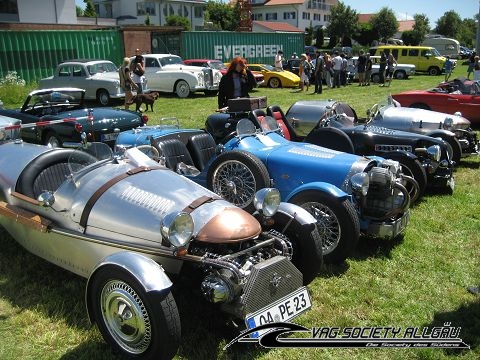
(275, 78)
(465, 52)
(46, 107)
(346, 193)
(11, 128)
(334, 124)
(167, 73)
(99, 78)
(220, 66)
(401, 72)
(107, 219)
(456, 96)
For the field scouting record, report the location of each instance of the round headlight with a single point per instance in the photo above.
(177, 228)
(360, 183)
(448, 123)
(434, 152)
(267, 201)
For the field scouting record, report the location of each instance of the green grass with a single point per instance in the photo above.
(419, 280)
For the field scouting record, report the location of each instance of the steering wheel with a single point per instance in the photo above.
(372, 113)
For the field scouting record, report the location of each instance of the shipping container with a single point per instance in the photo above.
(255, 47)
(35, 54)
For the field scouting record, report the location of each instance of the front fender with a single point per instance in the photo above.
(149, 274)
(295, 211)
(324, 187)
(394, 155)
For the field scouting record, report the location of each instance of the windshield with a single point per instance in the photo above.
(88, 154)
(245, 127)
(217, 65)
(171, 60)
(101, 68)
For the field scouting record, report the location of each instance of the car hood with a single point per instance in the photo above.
(105, 118)
(111, 75)
(292, 164)
(181, 67)
(401, 114)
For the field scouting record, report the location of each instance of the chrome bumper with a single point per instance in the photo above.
(390, 229)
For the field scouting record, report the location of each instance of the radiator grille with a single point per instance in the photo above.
(268, 282)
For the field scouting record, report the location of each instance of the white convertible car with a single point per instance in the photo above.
(167, 73)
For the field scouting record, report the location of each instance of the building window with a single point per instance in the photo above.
(305, 16)
(317, 17)
(144, 8)
(258, 17)
(289, 15)
(198, 11)
(271, 16)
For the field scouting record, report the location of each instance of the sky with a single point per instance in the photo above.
(405, 9)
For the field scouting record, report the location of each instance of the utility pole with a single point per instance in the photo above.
(477, 40)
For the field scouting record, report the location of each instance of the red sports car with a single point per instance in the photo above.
(459, 95)
(220, 66)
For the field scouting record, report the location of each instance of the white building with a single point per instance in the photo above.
(34, 11)
(128, 12)
(299, 13)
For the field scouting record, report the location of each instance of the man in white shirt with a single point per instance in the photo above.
(279, 60)
(337, 68)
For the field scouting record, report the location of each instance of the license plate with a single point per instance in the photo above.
(109, 137)
(281, 310)
(401, 224)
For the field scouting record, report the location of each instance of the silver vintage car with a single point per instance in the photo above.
(127, 225)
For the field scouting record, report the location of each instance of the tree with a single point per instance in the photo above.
(385, 22)
(309, 35)
(366, 34)
(222, 15)
(343, 23)
(448, 24)
(412, 37)
(319, 37)
(175, 20)
(89, 9)
(422, 25)
(79, 10)
(147, 20)
(467, 32)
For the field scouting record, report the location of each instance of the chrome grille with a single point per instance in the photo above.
(269, 281)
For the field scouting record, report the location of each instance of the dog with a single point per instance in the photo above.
(147, 99)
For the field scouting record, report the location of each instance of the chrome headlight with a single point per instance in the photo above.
(448, 123)
(434, 152)
(393, 165)
(360, 183)
(457, 113)
(267, 201)
(3, 135)
(177, 228)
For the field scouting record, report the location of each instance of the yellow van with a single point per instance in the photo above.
(425, 58)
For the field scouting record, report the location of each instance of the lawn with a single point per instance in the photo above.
(419, 280)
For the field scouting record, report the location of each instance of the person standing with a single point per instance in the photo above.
(343, 72)
(237, 82)
(391, 64)
(337, 68)
(304, 71)
(137, 68)
(368, 69)
(362, 59)
(328, 73)
(126, 82)
(476, 68)
(279, 60)
(448, 68)
(471, 64)
(383, 65)
(319, 68)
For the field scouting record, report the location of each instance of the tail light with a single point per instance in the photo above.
(144, 119)
(78, 127)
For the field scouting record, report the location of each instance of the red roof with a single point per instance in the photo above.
(403, 25)
(277, 26)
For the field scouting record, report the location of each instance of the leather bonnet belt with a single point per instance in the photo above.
(200, 201)
(96, 195)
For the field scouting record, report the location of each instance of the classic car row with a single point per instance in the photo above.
(57, 203)
(245, 242)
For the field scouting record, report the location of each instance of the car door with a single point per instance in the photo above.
(157, 78)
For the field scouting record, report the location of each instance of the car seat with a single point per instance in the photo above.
(202, 149)
(175, 153)
(287, 130)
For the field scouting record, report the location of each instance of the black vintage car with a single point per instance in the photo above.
(46, 108)
(330, 124)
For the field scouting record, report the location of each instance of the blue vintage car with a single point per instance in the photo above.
(346, 193)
